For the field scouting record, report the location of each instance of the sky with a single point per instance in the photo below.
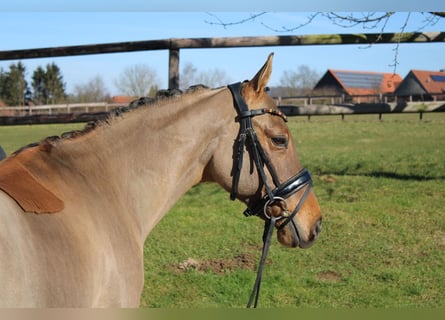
(52, 24)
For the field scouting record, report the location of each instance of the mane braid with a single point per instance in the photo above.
(161, 97)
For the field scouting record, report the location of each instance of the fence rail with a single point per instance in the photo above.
(84, 112)
(60, 108)
(58, 113)
(174, 45)
(364, 108)
(308, 100)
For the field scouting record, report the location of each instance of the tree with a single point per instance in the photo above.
(188, 76)
(212, 78)
(300, 81)
(3, 83)
(92, 91)
(54, 85)
(48, 86)
(14, 89)
(38, 86)
(137, 80)
(368, 20)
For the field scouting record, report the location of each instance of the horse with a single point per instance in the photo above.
(76, 209)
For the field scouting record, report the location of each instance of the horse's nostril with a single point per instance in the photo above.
(317, 228)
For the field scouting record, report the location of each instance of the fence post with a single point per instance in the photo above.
(173, 69)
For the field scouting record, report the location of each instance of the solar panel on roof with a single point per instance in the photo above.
(360, 80)
(438, 78)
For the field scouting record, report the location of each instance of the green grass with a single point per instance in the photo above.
(381, 186)
(15, 137)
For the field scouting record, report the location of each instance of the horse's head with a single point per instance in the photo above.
(265, 171)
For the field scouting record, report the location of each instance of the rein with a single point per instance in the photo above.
(248, 139)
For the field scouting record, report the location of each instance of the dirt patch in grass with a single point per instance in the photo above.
(328, 179)
(442, 242)
(219, 266)
(329, 276)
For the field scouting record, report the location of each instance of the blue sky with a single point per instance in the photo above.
(36, 27)
(226, 5)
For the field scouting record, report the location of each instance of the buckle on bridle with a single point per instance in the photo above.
(284, 214)
(283, 191)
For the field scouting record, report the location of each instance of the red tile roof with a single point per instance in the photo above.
(123, 99)
(429, 80)
(388, 82)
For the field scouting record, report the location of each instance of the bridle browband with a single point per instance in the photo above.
(247, 138)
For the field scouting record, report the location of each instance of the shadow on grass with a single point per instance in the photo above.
(384, 174)
(393, 175)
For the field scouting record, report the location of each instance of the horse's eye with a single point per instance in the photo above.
(279, 141)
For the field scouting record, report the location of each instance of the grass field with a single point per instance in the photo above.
(381, 186)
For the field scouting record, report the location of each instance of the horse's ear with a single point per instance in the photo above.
(260, 80)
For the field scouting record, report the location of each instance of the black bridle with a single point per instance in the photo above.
(247, 138)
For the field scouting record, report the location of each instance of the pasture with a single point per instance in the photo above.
(381, 187)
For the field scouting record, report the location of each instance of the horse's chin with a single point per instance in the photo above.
(292, 239)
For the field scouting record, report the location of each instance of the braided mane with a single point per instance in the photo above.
(163, 95)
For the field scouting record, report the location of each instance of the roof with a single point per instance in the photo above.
(364, 82)
(431, 81)
(123, 99)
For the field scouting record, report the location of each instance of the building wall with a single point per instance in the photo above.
(410, 86)
(328, 85)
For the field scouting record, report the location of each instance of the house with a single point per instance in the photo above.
(422, 85)
(357, 86)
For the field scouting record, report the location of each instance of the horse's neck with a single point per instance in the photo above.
(153, 156)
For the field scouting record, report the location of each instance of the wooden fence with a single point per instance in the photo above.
(58, 113)
(307, 100)
(75, 113)
(84, 112)
(173, 45)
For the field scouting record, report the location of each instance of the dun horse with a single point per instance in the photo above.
(75, 210)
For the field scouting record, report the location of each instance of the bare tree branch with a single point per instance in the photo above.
(431, 19)
(310, 18)
(220, 22)
(367, 20)
(396, 49)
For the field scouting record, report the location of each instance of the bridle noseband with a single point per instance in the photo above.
(248, 139)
